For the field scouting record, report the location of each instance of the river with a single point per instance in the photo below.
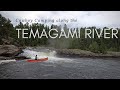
(60, 67)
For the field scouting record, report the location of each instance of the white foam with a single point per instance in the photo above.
(43, 53)
(7, 61)
(59, 60)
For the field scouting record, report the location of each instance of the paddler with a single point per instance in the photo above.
(36, 57)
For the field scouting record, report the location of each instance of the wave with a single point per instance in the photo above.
(6, 61)
(31, 53)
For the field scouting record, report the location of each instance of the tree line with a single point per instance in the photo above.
(98, 45)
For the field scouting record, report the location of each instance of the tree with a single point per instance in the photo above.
(6, 28)
(94, 47)
(103, 48)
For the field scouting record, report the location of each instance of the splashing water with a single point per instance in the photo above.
(43, 53)
(40, 54)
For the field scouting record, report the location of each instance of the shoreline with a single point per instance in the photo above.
(88, 54)
(70, 53)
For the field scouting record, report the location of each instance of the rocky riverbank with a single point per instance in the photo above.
(80, 53)
(9, 51)
(83, 53)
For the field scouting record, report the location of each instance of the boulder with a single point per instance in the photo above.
(9, 50)
(5, 58)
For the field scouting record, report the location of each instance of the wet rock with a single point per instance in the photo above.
(5, 58)
(83, 53)
(20, 57)
(9, 50)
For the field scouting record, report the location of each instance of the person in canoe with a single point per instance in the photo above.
(36, 57)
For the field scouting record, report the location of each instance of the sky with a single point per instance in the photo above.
(80, 18)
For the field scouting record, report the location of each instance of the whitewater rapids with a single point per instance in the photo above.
(43, 53)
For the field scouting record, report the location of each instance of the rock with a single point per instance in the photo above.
(9, 50)
(83, 53)
(21, 57)
(7, 41)
(5, 58)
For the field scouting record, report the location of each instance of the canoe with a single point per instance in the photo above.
(38, 60)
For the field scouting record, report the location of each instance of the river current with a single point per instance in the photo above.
(59, 67)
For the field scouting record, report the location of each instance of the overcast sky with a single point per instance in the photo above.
(84, 18)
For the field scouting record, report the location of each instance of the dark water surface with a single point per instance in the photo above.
(62, 68)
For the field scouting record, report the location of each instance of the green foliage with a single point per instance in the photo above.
(102, 48)
(96, 45)
(5, 27)
(112, 49)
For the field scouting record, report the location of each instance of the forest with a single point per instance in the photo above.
(9, 35)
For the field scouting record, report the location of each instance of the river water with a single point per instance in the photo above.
(59, 67)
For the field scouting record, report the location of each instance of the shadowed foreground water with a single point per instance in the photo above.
(62, 68)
